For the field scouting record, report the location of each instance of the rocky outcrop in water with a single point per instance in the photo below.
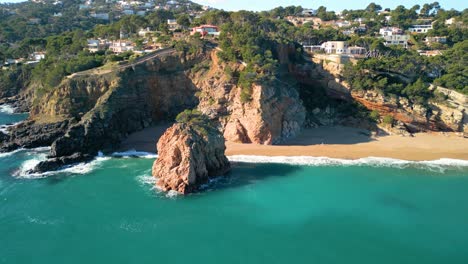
(189, 155)
(31, 134)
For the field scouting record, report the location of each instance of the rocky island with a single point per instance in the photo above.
(190, 153)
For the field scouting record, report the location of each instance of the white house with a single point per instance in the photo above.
(309, 12)
(430, 40)
(390, 31)
(95, 45)
(450, 21)
(401, 40)
(145, 31)
(343, 23)
(102, 16)
(341, 47)
(206, 30)
(120, 46)
(420, 28)
(172, 24)
(335, 47)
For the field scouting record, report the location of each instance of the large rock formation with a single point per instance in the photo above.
(273, 113)
(96, 110)
(415, 117)
(189, 154)
(450, 115)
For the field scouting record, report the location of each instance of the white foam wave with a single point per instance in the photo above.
(6, 108)
(172, 194)
(7, 154)
(28, 165)
(134, 153)
(325, 161)
(79, 168)
(4, 128)
(147, 180)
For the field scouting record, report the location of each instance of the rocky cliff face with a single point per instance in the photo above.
(415, 117)
(408, 116)
(274, 113)
(188, 157)
(95, 111)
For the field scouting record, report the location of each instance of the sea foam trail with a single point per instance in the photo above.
(27, 165)
(325, 161)
(4, 128)
(134, 154)
(8, 109)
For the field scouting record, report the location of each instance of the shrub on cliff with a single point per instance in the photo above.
(196, 120)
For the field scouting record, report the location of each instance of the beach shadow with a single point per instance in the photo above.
(330, 135)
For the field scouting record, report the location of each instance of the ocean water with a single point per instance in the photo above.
(313, 211)
(8, 118)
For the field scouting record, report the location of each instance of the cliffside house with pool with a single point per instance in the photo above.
(205, 30)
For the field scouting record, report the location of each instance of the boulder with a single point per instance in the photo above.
(189, 155)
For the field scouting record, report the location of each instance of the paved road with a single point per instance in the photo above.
(151, 56)
(158, 53)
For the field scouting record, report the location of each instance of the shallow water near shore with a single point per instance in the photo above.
(7, 117)
(108, 211)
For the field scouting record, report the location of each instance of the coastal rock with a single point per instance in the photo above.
(3, 137)
(57, 163)
(107, 105)
(273, 112)
(31, 134)
(188, 156)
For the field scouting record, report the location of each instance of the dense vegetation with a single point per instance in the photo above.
(247, 37)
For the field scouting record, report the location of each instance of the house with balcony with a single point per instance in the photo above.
(342, 48)
(418, 29)
(390, 31)
(121, 46)
(95, 45)
(309, 12)
(172, 24)
(401, 40)
(430, 40)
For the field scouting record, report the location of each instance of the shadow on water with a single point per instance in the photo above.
(244, 174)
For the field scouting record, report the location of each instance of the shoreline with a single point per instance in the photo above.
(335, 143)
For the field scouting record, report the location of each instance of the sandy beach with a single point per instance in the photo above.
(335, 142)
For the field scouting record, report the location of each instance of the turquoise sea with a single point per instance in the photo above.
(325, 212)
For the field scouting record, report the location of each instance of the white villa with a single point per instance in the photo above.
(341, 47)
(401, 40)
(120, 46)
(420, 28)
(390, 31)
(430, 40)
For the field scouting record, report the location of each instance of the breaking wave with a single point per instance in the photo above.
(7, 109)
(135, 154)
(79, 168)
(370, 161)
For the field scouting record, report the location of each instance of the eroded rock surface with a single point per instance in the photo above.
(188, 156)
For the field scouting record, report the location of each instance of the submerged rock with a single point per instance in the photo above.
(190, 152)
